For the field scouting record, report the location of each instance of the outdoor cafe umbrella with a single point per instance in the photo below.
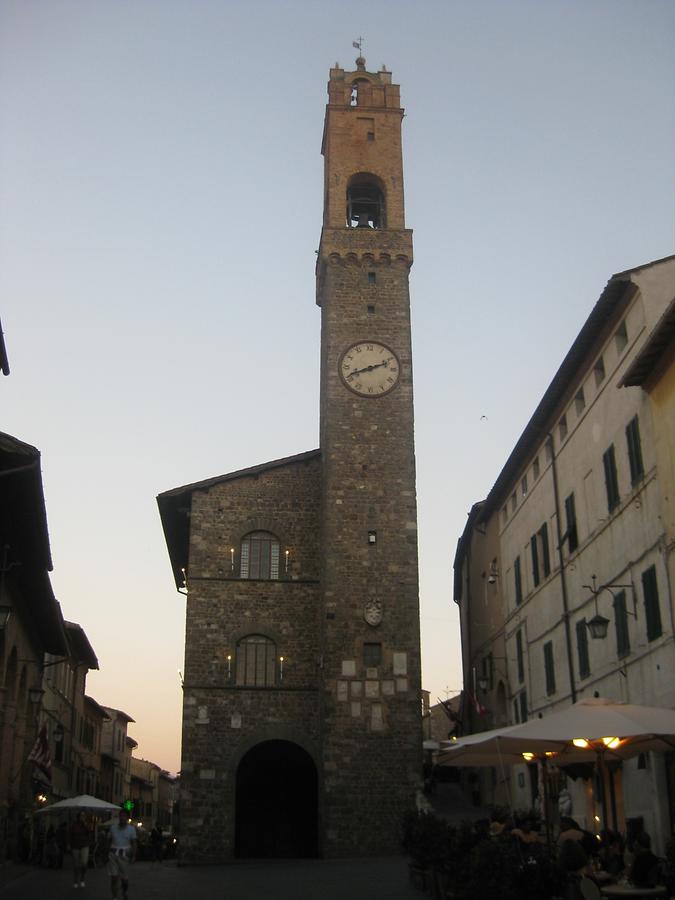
(81, 803)
(500, 746)
(596, 728)
(633, 729)
(618, 730)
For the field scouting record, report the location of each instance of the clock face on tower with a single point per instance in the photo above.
(369, 368)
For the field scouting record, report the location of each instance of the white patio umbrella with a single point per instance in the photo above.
(81, 803)
(499, 746)
(618, 730)
(595, 729)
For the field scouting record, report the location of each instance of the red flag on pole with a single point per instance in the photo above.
(40, 754)
(477, 705)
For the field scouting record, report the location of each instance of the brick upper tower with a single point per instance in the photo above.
(370, 642)
(301, 695)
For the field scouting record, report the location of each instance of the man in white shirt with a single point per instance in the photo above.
(121, 853)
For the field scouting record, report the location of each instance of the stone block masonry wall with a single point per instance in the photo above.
(371, 722)
(221, 719)
(220, 614)
(344, 610)
(371, 725)
(219, 727)
(283, 499)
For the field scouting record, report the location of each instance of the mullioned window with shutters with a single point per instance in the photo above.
(256, 661)
(259, 556)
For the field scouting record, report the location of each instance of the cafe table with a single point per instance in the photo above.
(631, 890)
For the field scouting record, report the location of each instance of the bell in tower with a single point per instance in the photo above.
(365, 203)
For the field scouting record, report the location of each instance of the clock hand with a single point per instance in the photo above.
(368, 368)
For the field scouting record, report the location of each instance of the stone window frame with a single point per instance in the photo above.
(259, 556)
(256, 629)
(261, 523)
(244, 662)
(372, 658)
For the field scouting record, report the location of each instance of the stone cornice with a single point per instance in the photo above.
(371, 244)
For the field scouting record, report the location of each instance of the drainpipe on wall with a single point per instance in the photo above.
(561, 563)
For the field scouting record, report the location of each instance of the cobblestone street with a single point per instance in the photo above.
(362, 879)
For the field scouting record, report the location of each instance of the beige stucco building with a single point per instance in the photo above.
(74, 721)
(579, 525)
(653, 370)
(116, 750)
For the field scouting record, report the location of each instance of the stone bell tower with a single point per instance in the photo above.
(301, 694)
(370, 715)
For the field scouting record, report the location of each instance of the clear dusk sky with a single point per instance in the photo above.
(160, 209)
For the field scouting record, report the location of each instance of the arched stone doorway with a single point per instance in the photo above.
(276, 802)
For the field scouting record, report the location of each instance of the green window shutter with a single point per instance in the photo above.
(523, 706)
(545, 556)
(621, 625)
(582, 649)
(549, 667)
(611, 480)
(634, 451)
(519, 656)
(535, 559)
(651, 597)
(517, 574)
(571, 524)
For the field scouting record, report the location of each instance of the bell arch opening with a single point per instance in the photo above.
(365, 202)
(276, 803)
(357, 87)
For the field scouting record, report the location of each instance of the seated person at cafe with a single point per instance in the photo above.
(571, 831)
(525, 832)
(645, 869)
(611, 853)
(498, 826)
(574, 861)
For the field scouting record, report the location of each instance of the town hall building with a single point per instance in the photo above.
(302, 703)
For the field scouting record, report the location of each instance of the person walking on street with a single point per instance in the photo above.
(156, 839)
(122, 852)
(79, 847)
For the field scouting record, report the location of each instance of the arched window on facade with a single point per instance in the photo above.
(256, 661)
(365, 203)
(259, 555)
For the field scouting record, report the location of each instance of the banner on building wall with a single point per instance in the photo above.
(40, 754)
(477, 705)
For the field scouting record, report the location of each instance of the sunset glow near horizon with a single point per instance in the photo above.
(157, 252)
